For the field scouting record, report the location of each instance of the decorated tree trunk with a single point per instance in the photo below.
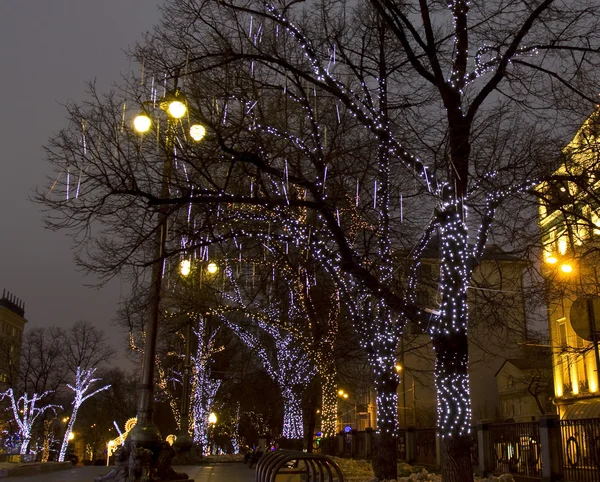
(385, 457)
(292, 415)
(328, 404)
(25, 443)
(451, 346)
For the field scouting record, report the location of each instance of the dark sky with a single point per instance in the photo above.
(48, 50)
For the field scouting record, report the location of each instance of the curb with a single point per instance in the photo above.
(34, 468)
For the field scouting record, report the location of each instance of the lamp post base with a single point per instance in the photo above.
(183, 443)
(137, 461)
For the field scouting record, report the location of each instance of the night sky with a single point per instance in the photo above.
(48, 50)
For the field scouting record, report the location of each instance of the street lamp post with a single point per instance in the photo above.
(344, 396)
(184, 442)
(145, 443)
(212, 420)
(145, 432)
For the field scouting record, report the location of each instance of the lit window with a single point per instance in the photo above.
(562, 333)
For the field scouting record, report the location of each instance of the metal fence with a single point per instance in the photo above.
(515, 448)
(474, 447)
(581, 449)
(425, 446)
(402, 445)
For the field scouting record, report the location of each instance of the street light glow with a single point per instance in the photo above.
(212, 268)
(185, 267)
(142, 123)
(197, 132)
(566, 268)
(71, 435)
(177, 109)
(551, 259)
(212, 418)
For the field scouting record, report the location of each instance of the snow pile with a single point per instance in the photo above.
(425, 476)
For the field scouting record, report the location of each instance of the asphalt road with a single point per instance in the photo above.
(233, 472)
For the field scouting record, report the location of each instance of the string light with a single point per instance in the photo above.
(83, 382)
(26, 412)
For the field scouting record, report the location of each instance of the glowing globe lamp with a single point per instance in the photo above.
(566, 268)
(142, 123)
(197, 132)
(177, 109)
(185, 267)
(212, 268)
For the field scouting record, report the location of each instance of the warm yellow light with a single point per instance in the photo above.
(171, 439)
(345, 395)
(197, 132)
(177, 109)
(111, 443)
(212, 418)
(562, 245)
(71, 435)
(340, 392)
(65, 420)
(142, 123)
(398, 368)
(185, 267)
(212, 268)
(566, 268)
(551, 259)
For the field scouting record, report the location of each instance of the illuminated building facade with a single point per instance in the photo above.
(569, 217)
(12, 324)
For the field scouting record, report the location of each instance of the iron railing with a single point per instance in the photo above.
(581, 449)
(425, 446)
(474, 447)
(515, 448)
(402, 455)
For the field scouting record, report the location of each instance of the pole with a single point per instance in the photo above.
(592, 322)
(145, 431)
(403, 378)
(184, 441)
(414, 400)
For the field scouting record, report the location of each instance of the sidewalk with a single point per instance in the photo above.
(232, 472)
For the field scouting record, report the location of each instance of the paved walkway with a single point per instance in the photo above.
(234, 472)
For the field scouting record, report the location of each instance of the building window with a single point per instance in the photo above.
(562, 333)
(3, 378)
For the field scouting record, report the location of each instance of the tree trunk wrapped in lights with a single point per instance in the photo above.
(299, 323)
(204, 387)
(287, 365)
(83, 382)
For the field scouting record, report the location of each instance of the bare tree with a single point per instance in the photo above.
(460, 105)
(85, 347)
